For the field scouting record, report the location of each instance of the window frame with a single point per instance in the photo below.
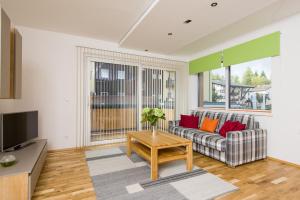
(227, 94)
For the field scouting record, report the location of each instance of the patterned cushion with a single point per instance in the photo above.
(214, 141)
(187, 133)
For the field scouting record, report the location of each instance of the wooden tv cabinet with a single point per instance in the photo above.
(18, 181)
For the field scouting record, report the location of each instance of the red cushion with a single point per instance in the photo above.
(231, 126)
(240, 127)
(189, 121)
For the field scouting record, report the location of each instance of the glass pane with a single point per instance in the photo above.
(214, 88)
(114, 105)
(250, 85)
(158, 91)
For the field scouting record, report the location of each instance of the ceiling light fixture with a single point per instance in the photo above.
(170, 33)
(214, 4)
(187, 21)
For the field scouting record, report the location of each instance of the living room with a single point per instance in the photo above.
(90, 71)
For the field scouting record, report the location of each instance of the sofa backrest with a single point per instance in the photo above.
(225, 116)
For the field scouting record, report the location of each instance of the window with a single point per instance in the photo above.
(121, 75)
(250, 85)
(104, 73)
(214, 84)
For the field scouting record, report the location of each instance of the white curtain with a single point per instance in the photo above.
(166, 71)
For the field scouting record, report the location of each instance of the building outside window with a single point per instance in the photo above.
(214, 83)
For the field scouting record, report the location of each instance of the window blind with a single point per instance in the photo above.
(263, 47)
(206, 63)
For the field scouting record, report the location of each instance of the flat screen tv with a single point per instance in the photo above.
(17, 129)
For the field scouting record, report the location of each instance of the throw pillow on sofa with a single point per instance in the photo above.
(189, 121)
(209, 125)
(231, 126)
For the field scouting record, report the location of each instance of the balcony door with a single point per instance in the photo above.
(159, 91)
(113, 101)
(118, 93)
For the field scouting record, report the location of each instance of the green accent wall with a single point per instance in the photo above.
(205, 63)
(266, 46)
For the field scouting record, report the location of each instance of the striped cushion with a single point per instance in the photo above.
(214, 141)
(187, 133)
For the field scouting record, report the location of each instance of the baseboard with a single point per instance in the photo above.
(284, 162)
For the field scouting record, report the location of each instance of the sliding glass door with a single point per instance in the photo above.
(119, 92)
(159, 91)
(113, 101)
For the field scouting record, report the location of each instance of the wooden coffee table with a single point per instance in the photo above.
(161, 148)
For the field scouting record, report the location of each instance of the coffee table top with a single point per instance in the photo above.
(160, 140)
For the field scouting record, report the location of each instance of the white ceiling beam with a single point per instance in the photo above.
(139, 21)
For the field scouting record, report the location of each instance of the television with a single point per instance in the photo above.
(18, 129)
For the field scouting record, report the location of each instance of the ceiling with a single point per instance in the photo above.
(141, 24)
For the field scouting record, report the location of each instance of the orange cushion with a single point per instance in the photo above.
(209, 125)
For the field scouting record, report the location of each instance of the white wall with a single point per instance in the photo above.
(49, 82)
(283, 126)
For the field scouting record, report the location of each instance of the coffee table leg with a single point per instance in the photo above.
(128, 145)
(154, 164)
(189, 159)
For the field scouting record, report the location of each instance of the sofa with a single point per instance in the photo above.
(239, 147)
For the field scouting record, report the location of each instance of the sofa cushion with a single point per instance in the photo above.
(187, 133)
(214, 141)
(209, 125)
(189, 121)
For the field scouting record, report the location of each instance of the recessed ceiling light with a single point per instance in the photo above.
(187, 21)
(170, 33)
(214, 4)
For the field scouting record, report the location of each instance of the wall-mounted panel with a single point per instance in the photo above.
(5, 53)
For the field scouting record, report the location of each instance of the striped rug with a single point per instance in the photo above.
(117, 177)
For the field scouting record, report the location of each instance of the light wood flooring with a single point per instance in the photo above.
(65, 176)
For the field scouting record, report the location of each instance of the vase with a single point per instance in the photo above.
(154, 130)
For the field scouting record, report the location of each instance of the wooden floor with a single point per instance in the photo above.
(65, 176)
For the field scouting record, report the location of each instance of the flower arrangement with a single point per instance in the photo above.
(152, 115)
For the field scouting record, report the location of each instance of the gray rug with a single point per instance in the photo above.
(117, 177)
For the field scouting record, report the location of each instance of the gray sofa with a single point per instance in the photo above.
(237, 148)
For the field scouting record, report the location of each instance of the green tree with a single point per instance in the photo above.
(247, 77)
(217, 77)
(235, 79)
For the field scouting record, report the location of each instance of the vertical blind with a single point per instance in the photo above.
(113, 84)
(158, 91)
(114, 100)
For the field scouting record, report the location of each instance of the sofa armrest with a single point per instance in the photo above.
(246, 146)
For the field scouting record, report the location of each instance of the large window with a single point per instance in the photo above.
(214, 83)
(250, 85)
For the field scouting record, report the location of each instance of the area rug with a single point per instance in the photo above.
(117, 177)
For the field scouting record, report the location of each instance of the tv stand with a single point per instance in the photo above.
(19, 147)
(19, 181)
